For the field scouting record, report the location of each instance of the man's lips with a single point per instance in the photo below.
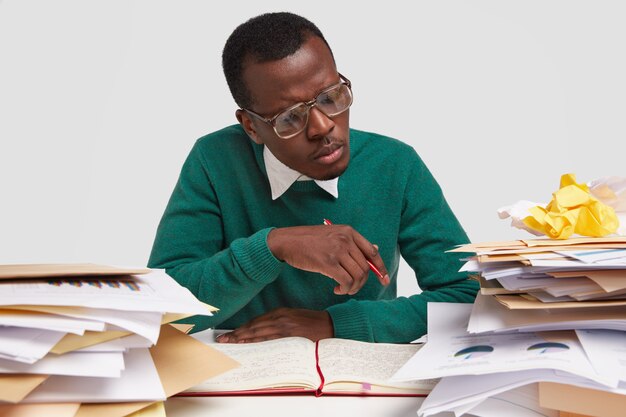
(327, 150)
(329, 154)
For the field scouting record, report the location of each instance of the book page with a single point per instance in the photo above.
(280, 363)
(352, 365)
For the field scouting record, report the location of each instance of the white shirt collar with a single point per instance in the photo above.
(281, 177)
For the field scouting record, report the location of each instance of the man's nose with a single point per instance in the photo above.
(319, 125)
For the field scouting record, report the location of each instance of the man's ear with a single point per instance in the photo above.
(245, 120)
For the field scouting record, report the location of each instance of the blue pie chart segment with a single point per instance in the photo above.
(474, 352)
(548, 347)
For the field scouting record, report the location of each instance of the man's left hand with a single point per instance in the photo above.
(283, 322)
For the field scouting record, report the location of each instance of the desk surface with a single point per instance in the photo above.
(300, 405)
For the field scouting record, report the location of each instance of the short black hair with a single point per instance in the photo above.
(267, 37)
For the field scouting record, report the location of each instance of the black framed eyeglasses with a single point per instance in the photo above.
(333, 101)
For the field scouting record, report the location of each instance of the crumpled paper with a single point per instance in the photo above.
(595, 209)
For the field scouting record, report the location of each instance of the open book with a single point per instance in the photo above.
(298, 365)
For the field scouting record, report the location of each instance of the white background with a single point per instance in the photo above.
(100, 102)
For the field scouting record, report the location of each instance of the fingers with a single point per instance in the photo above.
(337, 251)
(352, 257)
(343, 279)
(357, 267)
(282, 322)
(257, 330)
(370, 252)
(363, 257)
(349, 276)
(250, 334)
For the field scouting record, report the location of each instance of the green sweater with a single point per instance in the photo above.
(212, 237)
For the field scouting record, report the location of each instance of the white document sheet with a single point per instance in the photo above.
(451, 350)
(576, 264)
(571, 288)
(122, 344)
(139, 382)
(547, 255)
(542, 267)
(144, 323)
(549, 283)
(471, 265)
(606, 350)
(27, 345)
(488, 315)
(94, 364)
(154, 292)
(549, 298)
(595, 256)
(34, 320)
(518, 402)
(457, 392)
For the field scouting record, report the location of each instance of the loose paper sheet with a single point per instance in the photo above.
(518, 402)
(93, 364)
(138, 382)
(27, 345)
(64, 270)
(606, 350)
(456, 392)
(488, 315)
(143, 323)
(35, 320)
(452, 351)
(581, 400)
(154, 410)
(13, 388)
(515, 302)
(183, 361)
(153, 292)
(17, 271)
(39, 410)
(73, 342)
(122, 344)
(110, 409)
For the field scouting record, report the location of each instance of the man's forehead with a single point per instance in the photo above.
(297, 76)
(313, 51)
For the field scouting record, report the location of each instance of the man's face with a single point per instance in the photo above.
(322, 150)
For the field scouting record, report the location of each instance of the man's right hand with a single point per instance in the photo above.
(337, 251)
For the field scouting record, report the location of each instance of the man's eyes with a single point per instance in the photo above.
(293, 116)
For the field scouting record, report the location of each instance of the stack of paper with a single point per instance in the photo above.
(475, 367)
(539, 284)
(548, 311)
(89, 336)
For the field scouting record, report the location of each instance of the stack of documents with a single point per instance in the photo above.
(550, 317)
(85, 336)
(475, 368)
(542, 284)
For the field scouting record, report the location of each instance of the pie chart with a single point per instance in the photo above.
(548, 347)
(474, 351)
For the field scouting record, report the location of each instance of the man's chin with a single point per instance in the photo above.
(330, 175)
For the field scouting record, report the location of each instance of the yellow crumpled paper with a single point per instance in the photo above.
(572, 210)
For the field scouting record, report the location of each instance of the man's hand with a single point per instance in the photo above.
(337, 251)
(283, 322)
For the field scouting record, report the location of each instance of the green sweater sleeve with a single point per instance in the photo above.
(189, 243)
(428, 228)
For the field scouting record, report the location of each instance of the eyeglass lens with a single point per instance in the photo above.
(330, 102)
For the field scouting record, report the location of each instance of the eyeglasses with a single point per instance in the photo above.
(332, 101)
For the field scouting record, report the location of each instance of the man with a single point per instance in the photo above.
(243, 229)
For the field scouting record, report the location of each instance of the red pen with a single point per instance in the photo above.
(372, 266)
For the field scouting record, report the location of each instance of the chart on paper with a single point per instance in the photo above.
(84, 286)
